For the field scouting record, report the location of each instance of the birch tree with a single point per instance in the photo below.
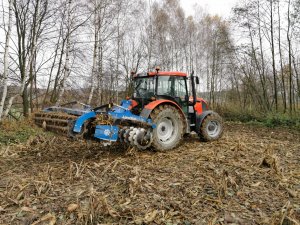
(67, 53)
(29, 17)
(6, 59)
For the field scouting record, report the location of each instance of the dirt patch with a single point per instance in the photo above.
(250, 176)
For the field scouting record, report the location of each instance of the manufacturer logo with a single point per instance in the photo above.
(107, 132)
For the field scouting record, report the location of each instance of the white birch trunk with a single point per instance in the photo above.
(6, 60)
(94, 68)
(94, 73)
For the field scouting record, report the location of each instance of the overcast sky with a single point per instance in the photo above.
(220, 7)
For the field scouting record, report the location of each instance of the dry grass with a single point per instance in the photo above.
(250, 176)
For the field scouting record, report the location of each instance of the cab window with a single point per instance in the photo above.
(144, 87)
(171, 86)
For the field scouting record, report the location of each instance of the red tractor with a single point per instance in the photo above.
(159, 114)
(164, 97)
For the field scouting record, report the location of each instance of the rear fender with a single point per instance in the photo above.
(80, 121)
(201, 117)
(200, 105)
(152, 105)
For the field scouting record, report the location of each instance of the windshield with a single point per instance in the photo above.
(144, 87)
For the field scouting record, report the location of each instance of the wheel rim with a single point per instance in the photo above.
(166, 130)
(213, 128)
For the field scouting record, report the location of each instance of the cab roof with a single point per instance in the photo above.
(167, 73)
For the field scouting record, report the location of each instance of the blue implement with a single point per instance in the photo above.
(80, 121)
(106, 132)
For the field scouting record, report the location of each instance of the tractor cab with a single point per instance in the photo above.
(161, 85)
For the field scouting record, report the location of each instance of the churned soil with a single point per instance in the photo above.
(250, 176)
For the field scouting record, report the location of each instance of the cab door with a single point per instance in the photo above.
(180, 92)
(173, 88)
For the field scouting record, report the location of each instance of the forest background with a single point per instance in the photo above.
(52, 52)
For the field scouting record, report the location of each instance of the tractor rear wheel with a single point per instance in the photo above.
(211, 128)
(169, 127)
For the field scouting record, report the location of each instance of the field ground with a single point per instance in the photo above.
(250, 176)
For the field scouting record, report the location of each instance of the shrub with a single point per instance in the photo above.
(14, 132)
(270, 119)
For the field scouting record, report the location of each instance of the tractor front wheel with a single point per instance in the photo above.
(169, 127)
(211, 128)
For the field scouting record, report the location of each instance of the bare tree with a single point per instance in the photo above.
(6, 59)
(27, 38)
(281, 60)
(273, 52)
(67, 53)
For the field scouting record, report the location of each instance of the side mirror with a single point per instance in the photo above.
(197, 80)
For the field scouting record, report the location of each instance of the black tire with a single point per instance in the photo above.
(169, 127)
(211, 128)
